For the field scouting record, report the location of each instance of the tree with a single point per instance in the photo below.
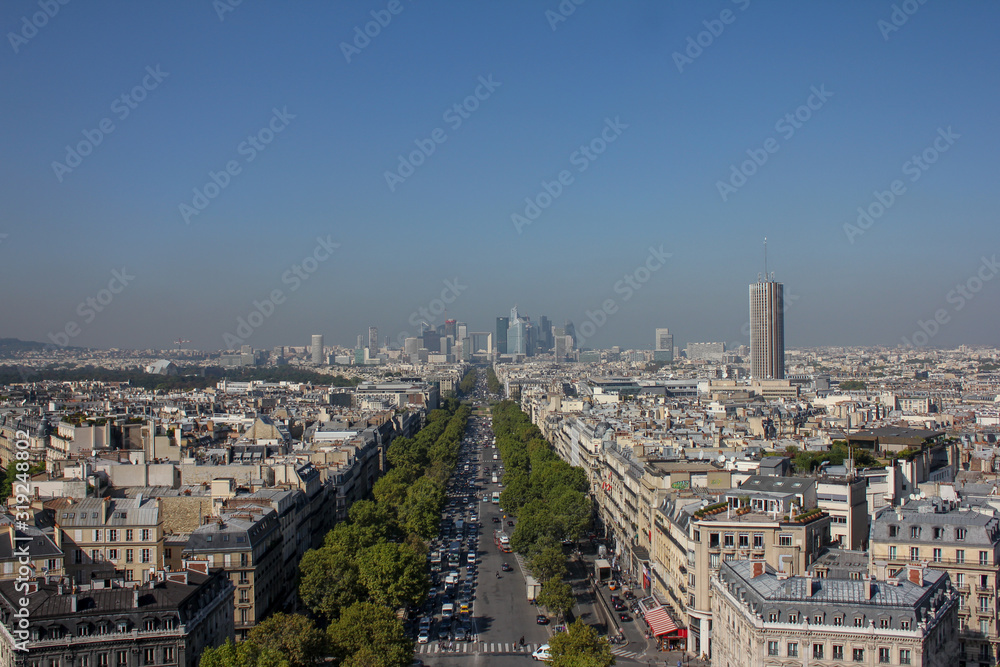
(556, 595)
(394, 574)
(548, 563)
(293, 636)
(369, 635)
(580, 646)
(244, 654)
(330, 580)
(7, 483)
(420, 513)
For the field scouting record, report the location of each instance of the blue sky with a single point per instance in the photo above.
(886, 96)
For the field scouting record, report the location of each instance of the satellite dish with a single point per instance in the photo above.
(722, 458)
(922, 495)
(913, 496)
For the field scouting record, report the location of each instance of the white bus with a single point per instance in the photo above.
(495, 498)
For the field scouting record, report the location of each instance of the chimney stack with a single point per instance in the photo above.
(869, 587)
(73, 603)
(756, 569)
(135, 597)
(809, 584)
(915, 573)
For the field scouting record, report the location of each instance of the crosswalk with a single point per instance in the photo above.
(624, 653)
(477, 647)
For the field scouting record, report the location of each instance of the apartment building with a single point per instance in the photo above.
(765, 618)
(247, 544)
(962, 540)
(167, 622)
(746, 525)
(109, 538)
(45, 557)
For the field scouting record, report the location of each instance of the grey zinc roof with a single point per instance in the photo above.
(980, 523)
(778, 484)
(39, 546)
(109, 512)
(898, 600)
(232, 533)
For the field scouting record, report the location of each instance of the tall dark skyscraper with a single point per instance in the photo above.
(502, 324)
(571, 331)
(767, 330)
(544, 334)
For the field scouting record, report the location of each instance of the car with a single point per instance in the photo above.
(624, 618)
(542, 653)
(510, 523)
(495, 519)
(542, 619)
(424, 636)
(618, 606)
(444, 633)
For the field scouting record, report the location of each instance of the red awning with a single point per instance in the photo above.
(659, 622)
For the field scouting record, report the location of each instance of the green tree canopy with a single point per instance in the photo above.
(369, 635)
(556, 595)
(394, 574)
(548, 563)
(330, 580)
(580, 646)
(293, 636)
(244, 654)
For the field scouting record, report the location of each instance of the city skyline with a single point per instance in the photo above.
(217, 176)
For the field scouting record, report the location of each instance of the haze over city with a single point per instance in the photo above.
(193, 159)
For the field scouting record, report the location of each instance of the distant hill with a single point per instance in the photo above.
(12, 345)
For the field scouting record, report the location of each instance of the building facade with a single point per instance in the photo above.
(767, 330)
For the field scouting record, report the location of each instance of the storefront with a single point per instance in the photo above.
(668, 636)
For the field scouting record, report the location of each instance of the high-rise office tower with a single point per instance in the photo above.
(373, 340)
(513, 315)
(767, 330)
(570, 331)
(517, 337)
(461, 331)
(317, 349)
(450, 328)
(544, 334)
(664, 340)
(502, 324)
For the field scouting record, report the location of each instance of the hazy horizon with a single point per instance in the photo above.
(253, 137)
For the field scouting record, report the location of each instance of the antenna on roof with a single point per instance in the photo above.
(765, 258)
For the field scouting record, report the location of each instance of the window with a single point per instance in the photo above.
(892, 553)
(83, 631)
(122, 658)
(102, 660)
(960, 533)
(984, 557)
(122, 626)
(859, 621)
(883, 656)
(984, 603)
(168, 654)
(149, 657)
(728, 540)
(858, 654)
(904, 656)
(758, 540)
(83, 660)
(914, 532)
(112, 554)
(984, 626)
(793, 650)
(167, 553)
(938, 533)
(145, 555)
(97, 536)
(962, 599)
(914, 553)
(838, 620)
(773, 617)
(818, 651)
(713, 540)
(883, 622)
(904, 624)
(129, 575)
(959, 555)
(145, 534)
(743, 540)
(793, 618)
(128, 535)
(244, 560)
(112, 535)
(784, 540)
(818, 619)
(838, 652)
(130, 555)
(960, 578)
(713, 561)
(937, 555)
(893, 531)
(772, 648)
